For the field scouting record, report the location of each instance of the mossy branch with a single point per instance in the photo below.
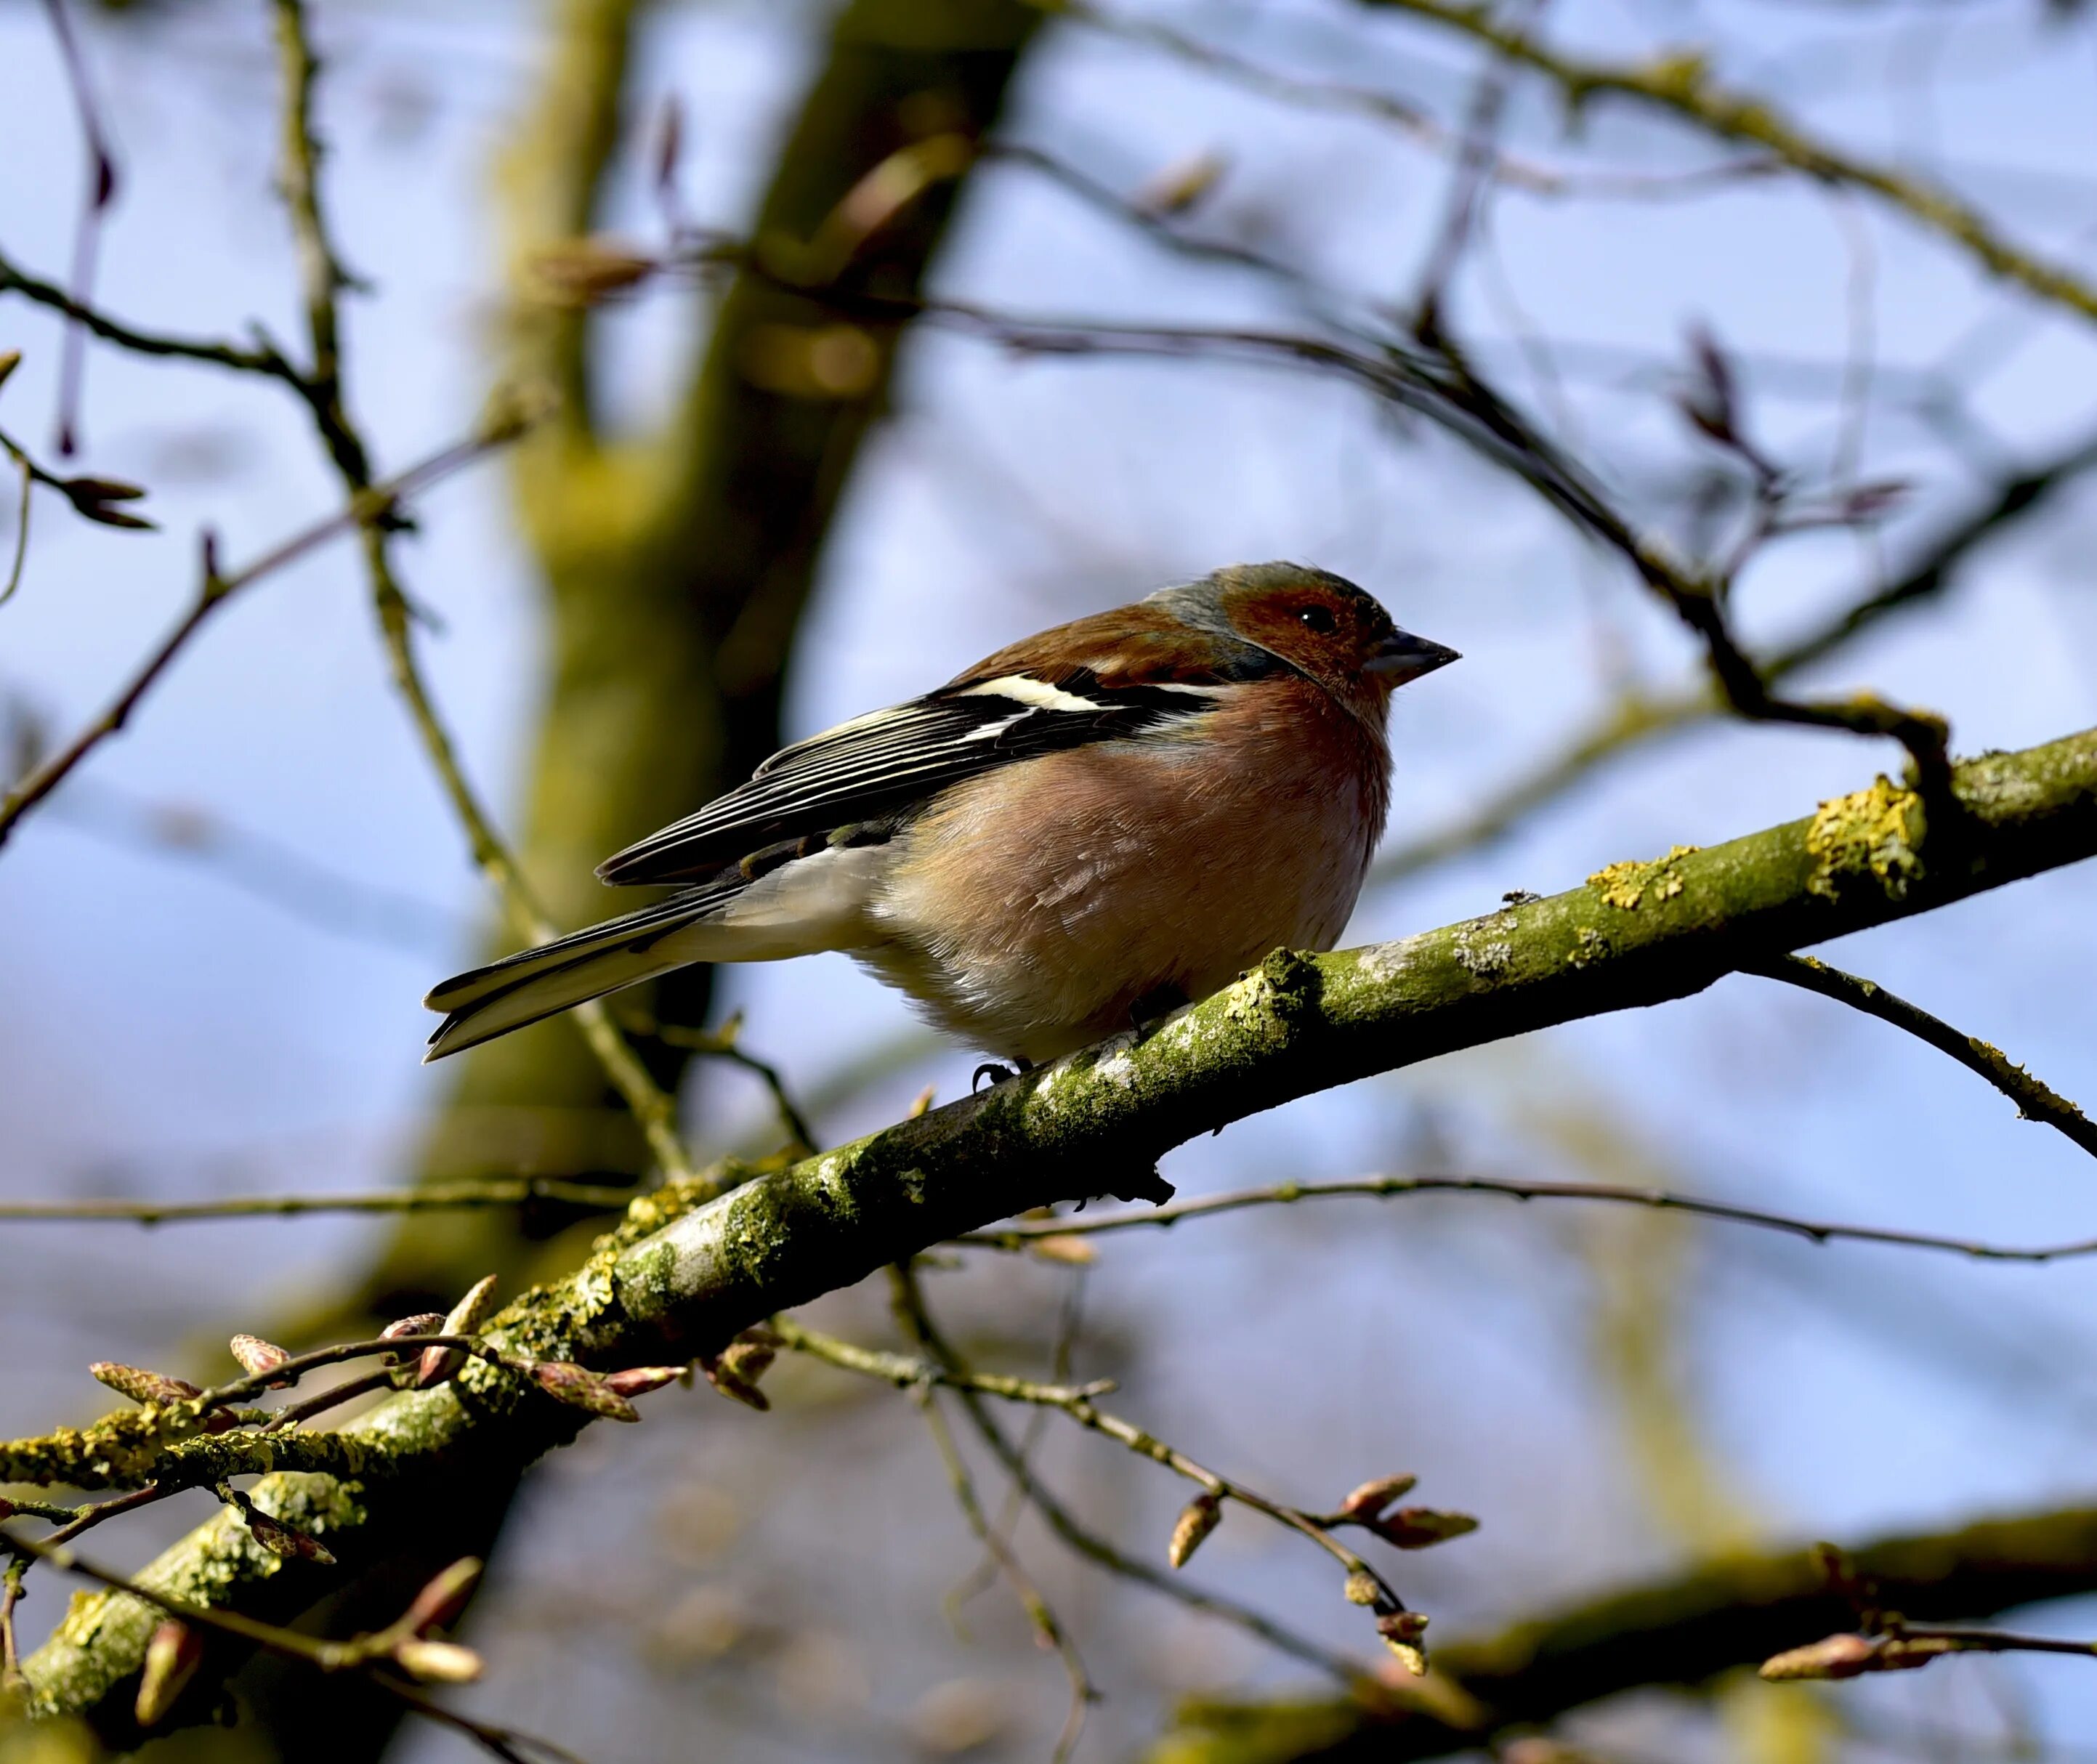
(683, 1274)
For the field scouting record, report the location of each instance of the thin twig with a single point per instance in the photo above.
(27, 471)
(909, 1373)
(438, 1197)
(363, 1654)
(322, 279)
(910, 1307)
(101, 190)
(266, 359)
(1681, 87)
(2035, 1101)
(215, 588)
(1021, 1235)
(1046, 1627)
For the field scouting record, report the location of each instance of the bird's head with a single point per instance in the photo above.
(1320, 624)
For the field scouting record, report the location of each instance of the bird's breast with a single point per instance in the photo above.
(1030, 908)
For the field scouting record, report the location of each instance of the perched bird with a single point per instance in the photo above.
(1084, 830)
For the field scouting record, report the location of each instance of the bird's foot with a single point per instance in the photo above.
(999, 1072)
(1143, 1185)
(1147, 1014)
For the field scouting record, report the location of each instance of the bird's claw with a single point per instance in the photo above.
(1144, 1185)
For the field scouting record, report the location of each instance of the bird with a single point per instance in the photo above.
(1084, 830)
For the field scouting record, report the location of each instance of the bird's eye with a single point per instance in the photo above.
(1317, 619)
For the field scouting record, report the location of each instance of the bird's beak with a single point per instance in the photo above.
(1401, 656)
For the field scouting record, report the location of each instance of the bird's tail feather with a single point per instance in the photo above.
(520, 989)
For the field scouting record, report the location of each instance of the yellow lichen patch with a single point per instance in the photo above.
(1876, 833)
(1624, 885)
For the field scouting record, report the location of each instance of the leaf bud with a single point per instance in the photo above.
(256, 1355)
(1372, 1497)
(1198, 1519)
(436, 1662)
(141, 1386)
(172, 1658)
(583, 1389)
(444, 1597)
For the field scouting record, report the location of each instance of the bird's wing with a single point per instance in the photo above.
(882, 765)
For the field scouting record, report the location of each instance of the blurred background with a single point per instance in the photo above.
(752, 518)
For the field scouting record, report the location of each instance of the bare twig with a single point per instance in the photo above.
(322, 279)
(2035, 1101)
(1038, 1613)
(438, 1197)
(1634, 720)
(1022, 1235)
(263, 359)
(368, 1654)
(911, 1310)
(216, 587)
(1680, 86)
(101, 190)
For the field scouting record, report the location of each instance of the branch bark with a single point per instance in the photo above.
(682, 1276)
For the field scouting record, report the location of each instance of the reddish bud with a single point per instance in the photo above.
(1419, 1528)
(172, 1658)
(256, 1355)
(1372, 1497)
(1198, 1519)
(422, 1323)
(440, 1364)
(1402, 1631)
(444, 1597)
(638, 1380)
(582, 1389)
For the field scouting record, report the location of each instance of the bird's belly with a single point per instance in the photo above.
(1034, 910)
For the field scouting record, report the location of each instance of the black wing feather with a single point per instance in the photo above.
(882, 765)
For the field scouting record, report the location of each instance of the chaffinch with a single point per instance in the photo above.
(1087, 827)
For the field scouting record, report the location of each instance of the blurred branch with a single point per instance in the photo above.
(2035, 1101)
(323, 277)
(1737, 1611)
(685, 1274)
(1047, 1628)
(1025, 1233)
(431, 1198)
(1680, 86)
(100, 192)
(262, 867)
(367, 503)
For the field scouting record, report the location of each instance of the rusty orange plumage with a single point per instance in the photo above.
(1091, 824)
